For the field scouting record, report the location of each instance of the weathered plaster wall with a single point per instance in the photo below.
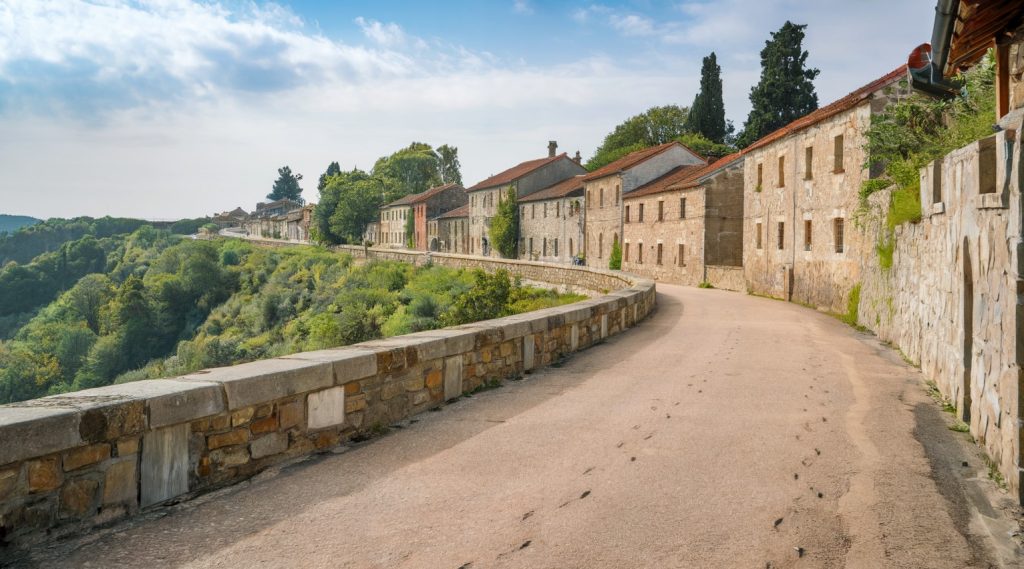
(952, 299)
(552, 220)
(72, 462)
(821, 276)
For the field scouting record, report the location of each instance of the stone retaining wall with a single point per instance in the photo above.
(727, 278)
(952, 299)
(74, 461)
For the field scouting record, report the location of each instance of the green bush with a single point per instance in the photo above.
(615, 258)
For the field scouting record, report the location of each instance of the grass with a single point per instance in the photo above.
(960, 427)
(706, 284)
(885, 250)
(993, 472)
(852, 307)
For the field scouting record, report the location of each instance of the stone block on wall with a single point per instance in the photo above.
(164, 464)
(452, 377)
(169, 401)
(266, 380)
(349, 362)
(529, 348)
(326, 408)
(38, 430)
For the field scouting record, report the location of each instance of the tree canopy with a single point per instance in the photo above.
(286, 186)
(333, 169)
(786, 89)
(656, 125)
(707, 114)
(448, 167)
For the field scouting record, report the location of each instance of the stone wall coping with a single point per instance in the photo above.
(60, 422)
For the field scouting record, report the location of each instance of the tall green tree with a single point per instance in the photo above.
(656, 125)
(412, 170)
(707, 114)
(448, 166)
(333, 169)
(786, 89)
(286, 186)
(347, 204)
(504, 230)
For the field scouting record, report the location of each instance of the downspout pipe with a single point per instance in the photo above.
(928, 61)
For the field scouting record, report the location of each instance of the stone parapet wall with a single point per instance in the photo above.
(951, 300)
(726, 277)
(71, 462)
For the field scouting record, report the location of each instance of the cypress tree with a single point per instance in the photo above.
(707, 114)
(786, 89)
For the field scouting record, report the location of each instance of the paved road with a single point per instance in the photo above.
(727, 431)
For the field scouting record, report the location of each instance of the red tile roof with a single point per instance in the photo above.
(559, 190)
(516, 172)
(844, 104)
(694, 179)
(662, 183)
(457, 212)
(632, 159)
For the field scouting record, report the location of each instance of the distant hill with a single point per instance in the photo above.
(11, 223)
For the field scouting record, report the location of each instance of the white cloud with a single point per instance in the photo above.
(522, 7)
(631, 24)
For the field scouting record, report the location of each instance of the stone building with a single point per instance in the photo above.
(297, 223)
(950, 296)
(452, 230)
(428, 205)
(686, 226)
(551, 222)
(605, 187)
(393, 219)
(801, 188)
(526, 177)
(372, 232)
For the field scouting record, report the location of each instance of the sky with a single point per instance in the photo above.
(165, 109)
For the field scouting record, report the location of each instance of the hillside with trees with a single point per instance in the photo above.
(151, 304)
(11, 223)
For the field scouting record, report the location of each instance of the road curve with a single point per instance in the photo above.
(726, 431)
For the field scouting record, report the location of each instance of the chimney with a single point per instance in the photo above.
(552, 147)
(578, 159)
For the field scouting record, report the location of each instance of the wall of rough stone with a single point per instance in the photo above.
(71, 462)
(671, 232)
(726, 277)
(550, 219)
(952, 299)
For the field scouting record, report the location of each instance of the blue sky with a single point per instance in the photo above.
(171, 108)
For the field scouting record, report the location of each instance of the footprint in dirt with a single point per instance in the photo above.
(589, 470)
(527, 515)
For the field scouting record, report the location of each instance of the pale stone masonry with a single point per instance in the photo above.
(801, 188)
(452, 231)
(527, 178)
(605, 187)
(428, 205)
(681, 224)
(392, 225)
(551, 222)
(71, 462)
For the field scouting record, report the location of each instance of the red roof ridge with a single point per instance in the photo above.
(515, 172)
(461, 211)
(634, 158)
(844, 103)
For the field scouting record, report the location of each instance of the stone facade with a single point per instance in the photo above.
(72, 462)
(392, 225)
(429, 205)
(678, 225)
(526, 178)
(551, 223)
(801, 188)
(453, 231)
(951, 300)
(604, 190)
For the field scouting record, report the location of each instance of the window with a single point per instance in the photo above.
(807, 235)
(600, 245)
(760, 176)
(837, 231)
(661, 210)
(522, 247)
(682, 208)
(545, 209)
(522, 212)
(616, 194)
(556, 247)
(590, 201)
(627, 214)
(838, 157)
(625, 252)
(530, 252)
(808, 162)
(558, 209)
(533, 211)
(572, 250)
(545, 247)
(640, 214)
(640, 253)
(782, 171)
(782, 234)
(659, 253)
(681, 260)
(757, 236)
(601, 201)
